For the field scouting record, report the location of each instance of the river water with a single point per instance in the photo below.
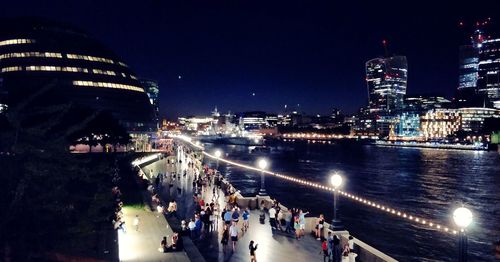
(429, 183)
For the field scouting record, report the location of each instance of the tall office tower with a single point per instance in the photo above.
(488, 83)
(153, 91)
(467, 94)
(386, 80)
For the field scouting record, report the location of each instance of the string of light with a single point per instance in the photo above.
(367, 202)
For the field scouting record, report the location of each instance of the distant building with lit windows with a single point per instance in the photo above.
(439, 123)
(472, 118)
(386, 80)
(252, 120)
(408, 125)
(74, 68)
(420, 103)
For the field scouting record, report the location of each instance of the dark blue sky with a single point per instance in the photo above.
(310, 53)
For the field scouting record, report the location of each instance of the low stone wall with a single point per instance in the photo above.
(365, 252)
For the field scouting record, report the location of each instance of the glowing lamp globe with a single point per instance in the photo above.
(262, 163)
(462, 217)
(336, 180)
(218, 153)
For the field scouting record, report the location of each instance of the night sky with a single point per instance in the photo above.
(310, 53)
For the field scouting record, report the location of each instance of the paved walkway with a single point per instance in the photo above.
(279, 247)
(143, 244)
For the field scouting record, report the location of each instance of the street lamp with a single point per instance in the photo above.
(462, 217)
(336, 181)
(218, 154)
(262, 163)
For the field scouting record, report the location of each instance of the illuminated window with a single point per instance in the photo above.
(31, 54)
(16, 42)
(90, 58)
(12, 69)
(108, 85)
(43, 68)
(103, 72)
(75, 69)
(122, 64)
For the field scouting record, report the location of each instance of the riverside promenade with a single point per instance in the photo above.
(280, 247)
(277, 247)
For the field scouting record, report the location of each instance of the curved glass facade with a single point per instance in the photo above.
(36, 53)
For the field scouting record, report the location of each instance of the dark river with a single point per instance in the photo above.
(428, 183)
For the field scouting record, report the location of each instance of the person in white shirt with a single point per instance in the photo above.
(233, 232)
(351, 244)
(159, 209)
(192, 227)
(272, 217)
(136, 222)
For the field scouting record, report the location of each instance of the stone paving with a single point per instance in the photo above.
(143, 244)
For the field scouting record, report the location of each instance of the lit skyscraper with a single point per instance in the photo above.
(469, 62)
(153, 91)
(488, 82)
(386, 81)
(468, 68)
(467, 91)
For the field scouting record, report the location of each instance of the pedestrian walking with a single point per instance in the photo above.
(246, 217)
(136, 223)
(337, 249)
(330, 245)
(288, 222)
(324, 250)
(272, 218)
(296, 226)
(233, 232)
(253, 257)
(225, 238)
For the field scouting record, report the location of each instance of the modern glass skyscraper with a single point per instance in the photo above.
(488, 82)
(152, 90)
(386, 80)
(468, 68)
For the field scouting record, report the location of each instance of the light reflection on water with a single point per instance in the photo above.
(430, 183)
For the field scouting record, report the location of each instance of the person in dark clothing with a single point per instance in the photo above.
(163, 245)
(337, 249)
(225, 238)
(253, 257)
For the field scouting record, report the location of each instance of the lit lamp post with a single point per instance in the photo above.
(262, 163)
(336, 224)
(462, 217)
(218, 154)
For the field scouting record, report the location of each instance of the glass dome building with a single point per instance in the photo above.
(37, 54)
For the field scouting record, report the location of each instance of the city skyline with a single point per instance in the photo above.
(269, 56)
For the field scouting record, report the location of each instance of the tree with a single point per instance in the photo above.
(52, 200)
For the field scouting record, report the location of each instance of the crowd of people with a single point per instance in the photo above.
(208, 189)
